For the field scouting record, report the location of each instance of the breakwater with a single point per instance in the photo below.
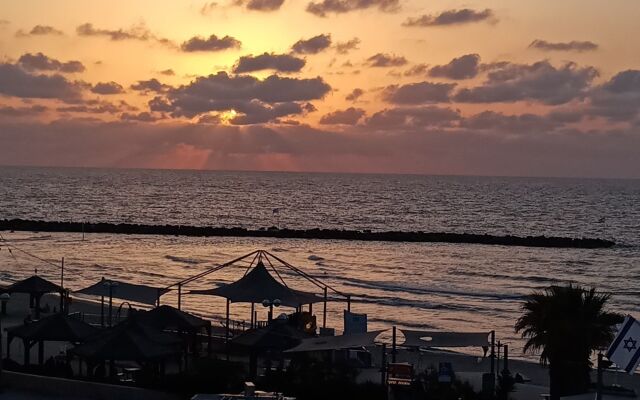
(332, 234)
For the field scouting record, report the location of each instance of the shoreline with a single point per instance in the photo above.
(316, 233)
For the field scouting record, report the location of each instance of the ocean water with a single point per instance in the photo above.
(414, 285)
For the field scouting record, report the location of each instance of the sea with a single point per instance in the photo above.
(428, 286)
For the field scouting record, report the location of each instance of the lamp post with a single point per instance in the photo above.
(4, 298)
(271, 304)
(110, 285)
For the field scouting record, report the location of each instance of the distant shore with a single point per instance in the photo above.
(285, 233)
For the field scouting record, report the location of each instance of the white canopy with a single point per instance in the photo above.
(325, 343)
(445, 339)
(125, 291)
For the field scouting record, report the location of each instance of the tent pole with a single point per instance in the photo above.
(179, 296)
(252, 310)
(226, 341)
(393, 345)
(493, 352)
(110, 305)
(324, 311)
(349, 302)
(62, 285)
(102, 311)
(310, 308)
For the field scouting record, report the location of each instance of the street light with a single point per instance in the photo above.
(271, 304)
(4, 298)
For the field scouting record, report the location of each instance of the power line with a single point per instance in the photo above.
(14, 247)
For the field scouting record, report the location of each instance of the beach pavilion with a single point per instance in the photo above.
(259, 286)
(54, 328)
(36, 287)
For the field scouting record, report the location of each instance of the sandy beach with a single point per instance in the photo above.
(467, 367)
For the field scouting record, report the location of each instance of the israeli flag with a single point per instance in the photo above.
(624, 351)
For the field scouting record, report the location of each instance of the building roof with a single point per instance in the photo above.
(167, 317)
(34, 285)
(57, 327)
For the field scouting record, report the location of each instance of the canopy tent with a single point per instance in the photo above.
(279, 335)
(36, 287)
(445, 339)
(122, 290)
(167, 317)
(130, 341)
(336, 342)
(259, 285)
(55, 328)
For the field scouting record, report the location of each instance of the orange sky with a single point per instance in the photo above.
(482, 87)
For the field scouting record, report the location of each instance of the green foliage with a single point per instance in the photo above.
(565, 324)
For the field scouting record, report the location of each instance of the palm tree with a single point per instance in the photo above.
(565, 325)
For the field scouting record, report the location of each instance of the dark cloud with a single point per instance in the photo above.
(464, 67)
(107, 88)
(417, 70)
(17, 82)
(9, 111)
(261, 5)
(313, 45)
(103, 108)
(617, 99)
(40, 30)
(143, 117)
(350, 116)
(403, 118)
(212, 43)
(40, 62)
(138, 32)
(277, 62)
(355, 94)
(418, 93)
(451, 17)
(255, 100)
(540, 82)
(346, 47)
(514, 124)
(574, 45)
(168, 72)
(324, 7)
(386, 60)
(150, 86)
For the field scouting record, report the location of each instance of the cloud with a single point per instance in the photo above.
(277, 62)
(403, 118)
(142, 116)
(324, 7)
(386, 60)
(540, 82)
(261, 5)
(40, 30)
(150, 86)
(514, 124)
(208, 8)
(464, 67)
(167, 72)
(254, 99)
(418, 93)
(101, 108)
(212, 43)
(346, 47)
(138, 32)
(451, 17)
(355, 94)
(350, 116)
(417, 70)
(17, 82)
(107, 88)
(17, 112)
(40, 62)
(618, 99)
(574, 45)
(313, 45)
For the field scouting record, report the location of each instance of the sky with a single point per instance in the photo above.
(491, 87)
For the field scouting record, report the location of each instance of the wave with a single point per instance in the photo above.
(184, 260)
(397, 287)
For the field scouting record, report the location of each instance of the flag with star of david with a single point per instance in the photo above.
(624, 351)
